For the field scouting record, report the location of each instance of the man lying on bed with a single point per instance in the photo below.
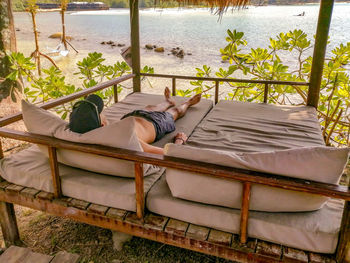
(151, 123)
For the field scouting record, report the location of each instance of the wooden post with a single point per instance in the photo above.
(174, 86)
(245, 212)
(324, 21)
(140, 195)
(343, 249)
(115, 93)
(56, 180)
(216, 92)
(266, 92)
(9, 224)
(135, 43)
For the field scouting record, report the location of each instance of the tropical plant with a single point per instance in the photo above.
(52, 83)
(271, 64)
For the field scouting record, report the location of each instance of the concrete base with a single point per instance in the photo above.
(119, 239)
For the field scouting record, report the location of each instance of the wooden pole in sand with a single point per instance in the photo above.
(135, 44)
(323, 24)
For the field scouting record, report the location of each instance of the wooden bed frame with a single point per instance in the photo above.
(160, 228)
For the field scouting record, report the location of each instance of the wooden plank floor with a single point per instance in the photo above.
(24, 255)
(158, 228)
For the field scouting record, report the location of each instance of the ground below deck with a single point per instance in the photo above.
(48, 234)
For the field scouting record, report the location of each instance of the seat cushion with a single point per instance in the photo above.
(253, 127)
(31, 168)
(284, 140)
(137, 101)
(323, 164)
(314, 231)
(119, 134)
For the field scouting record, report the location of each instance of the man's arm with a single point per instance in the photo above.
(180, 138)
(151, 149)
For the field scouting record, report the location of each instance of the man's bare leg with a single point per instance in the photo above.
(168, 103)
(180, 111)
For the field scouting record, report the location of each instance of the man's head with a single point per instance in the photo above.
(86, 114)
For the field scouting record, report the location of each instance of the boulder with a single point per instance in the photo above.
(149, 46)
(121, 45)
(103, 43)
(159, 49)
(110, 42)
(59, 35)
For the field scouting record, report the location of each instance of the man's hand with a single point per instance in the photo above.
(180, 138)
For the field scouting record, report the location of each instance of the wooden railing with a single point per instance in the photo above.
(247, 177)
(227, 80)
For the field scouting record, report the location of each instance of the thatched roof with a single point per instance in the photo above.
(218, 6)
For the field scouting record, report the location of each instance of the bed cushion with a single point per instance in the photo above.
(254, 127)
(116, 134)
(140, 100)
(31, 168)
(119, 134)
(319, 163)
(314, 231)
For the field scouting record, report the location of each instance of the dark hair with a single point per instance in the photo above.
(86, 114)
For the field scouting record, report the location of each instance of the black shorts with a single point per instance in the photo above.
(163, 122)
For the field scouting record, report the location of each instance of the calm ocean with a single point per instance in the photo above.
(197, 31)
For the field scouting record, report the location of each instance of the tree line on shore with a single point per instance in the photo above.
(19, 5)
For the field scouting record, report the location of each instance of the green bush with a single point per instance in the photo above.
(267, 64)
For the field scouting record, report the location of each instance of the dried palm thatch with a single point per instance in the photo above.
(217, 6)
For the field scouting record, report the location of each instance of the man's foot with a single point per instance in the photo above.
(195, 99)
(168, 98)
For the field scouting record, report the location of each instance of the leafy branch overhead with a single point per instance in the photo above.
(272, 63)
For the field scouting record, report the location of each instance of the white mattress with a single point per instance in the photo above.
(314, 231)
(31, 168)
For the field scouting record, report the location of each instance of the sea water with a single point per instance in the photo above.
(197, 31)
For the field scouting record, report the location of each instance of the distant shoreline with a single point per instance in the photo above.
(194, 7)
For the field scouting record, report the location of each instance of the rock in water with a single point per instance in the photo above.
(59, 35)
(149, 46)
(159, 49)
(121, 45)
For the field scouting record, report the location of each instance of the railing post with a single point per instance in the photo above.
(56, 180)
(115, 93)
(135, 43)
(245, 212)
(140, 195)
(343, 249)
(216, 92)
(1, 150)
(323, 24)
(266, 92)
(174, 86)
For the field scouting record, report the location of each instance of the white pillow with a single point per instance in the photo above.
(119, 134)
(322, 164)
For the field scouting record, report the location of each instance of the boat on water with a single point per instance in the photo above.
(76, 6)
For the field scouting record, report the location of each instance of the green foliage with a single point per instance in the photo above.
(52, 83)
(267, 64)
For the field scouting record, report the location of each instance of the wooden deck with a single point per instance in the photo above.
(158, 228)
(24, 255)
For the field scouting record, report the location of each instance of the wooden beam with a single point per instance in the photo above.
(324, 21)
(56, 180)
(245, 212)
(343, 249)
(183, 241)
(216, 100)
(257, 81)
(115, 93)
(9, 224)
(283, 182)
(140, 195)
(135, 43)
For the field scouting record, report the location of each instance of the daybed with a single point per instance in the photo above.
(198, 224)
